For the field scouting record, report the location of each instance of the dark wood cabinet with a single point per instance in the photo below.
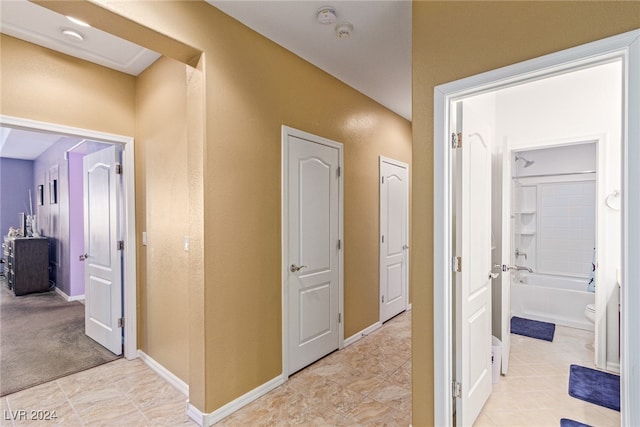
(27, 265)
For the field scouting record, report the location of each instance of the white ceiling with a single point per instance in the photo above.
(375, 60)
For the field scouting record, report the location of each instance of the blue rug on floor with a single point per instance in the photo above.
(566, 422)
(597, 387)
(532, 328)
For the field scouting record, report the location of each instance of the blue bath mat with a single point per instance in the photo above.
(532, 328)
(566, 422)
(597, 387)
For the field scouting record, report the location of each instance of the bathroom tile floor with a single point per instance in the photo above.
(535, 392)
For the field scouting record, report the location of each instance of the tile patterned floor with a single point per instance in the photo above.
(535, 393)
(365, 384)
(120, 393)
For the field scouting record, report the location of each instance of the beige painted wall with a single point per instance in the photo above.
(253, 87)
(492, 35)
(40, 84)
(163, 212)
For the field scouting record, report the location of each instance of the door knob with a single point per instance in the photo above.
(405, 247)
(295, 268)
(83, 257)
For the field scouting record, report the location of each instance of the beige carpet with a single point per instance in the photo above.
(41, 339)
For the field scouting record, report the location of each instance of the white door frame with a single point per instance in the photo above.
(400, 164)
(129, 219)
(286, 132)
(625, 47)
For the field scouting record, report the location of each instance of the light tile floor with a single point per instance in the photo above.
(535, 392)
(119, 393)
(365, 384)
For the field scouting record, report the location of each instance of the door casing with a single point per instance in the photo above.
(625, 47)
(286, 132)
(128, 224)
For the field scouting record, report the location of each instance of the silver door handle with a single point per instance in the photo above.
(295, 268)
(405, 247)
(495, 271)
(83, 257)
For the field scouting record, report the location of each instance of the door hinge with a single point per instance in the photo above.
(456, 264)
(456, 140)
(119, 169)
(383, 179)
(121, 322)
(339, 317)
(456, 389)
(339, 170)
(383, 238)
(121, 245)
(339, 244)
(383, 299)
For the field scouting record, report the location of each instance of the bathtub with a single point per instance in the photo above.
(548, 298)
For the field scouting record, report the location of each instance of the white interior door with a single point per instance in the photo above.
(509, 219)
(394, 207)
(313, 193)
(103, 269)
(473, 283)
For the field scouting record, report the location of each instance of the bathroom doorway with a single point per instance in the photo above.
(565, 63)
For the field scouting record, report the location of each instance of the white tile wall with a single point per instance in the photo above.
(566, 227)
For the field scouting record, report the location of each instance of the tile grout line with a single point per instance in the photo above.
(8, 408)
(73, 408)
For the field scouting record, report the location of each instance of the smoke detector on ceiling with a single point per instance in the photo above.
(344, 30)
(326, 15)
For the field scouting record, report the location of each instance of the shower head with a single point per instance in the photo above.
(527, 163)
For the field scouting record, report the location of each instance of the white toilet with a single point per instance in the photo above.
(590, 313)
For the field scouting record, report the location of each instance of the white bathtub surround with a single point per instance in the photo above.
(549, 298)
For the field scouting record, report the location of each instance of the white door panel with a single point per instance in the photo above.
(394, 205)
(103, 269)
(313, 249)
(473, 283)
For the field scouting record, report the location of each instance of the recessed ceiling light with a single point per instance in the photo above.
(78, 21)
(72, 35)
(326, 15)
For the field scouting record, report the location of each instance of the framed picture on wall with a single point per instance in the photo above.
(53, 191)
(40, 195)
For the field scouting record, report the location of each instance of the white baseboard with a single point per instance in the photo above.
(363, 333)
(195, 414)
(211, 418)
(613, 367)
(164, 373)
(409, 307)
(67, 297)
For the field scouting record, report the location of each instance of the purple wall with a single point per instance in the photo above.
(16, 179)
